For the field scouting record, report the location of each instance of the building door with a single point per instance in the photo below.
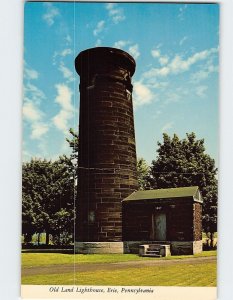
(159, 227)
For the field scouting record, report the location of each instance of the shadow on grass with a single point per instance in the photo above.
(48, 250)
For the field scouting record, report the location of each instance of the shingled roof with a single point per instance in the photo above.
(181, 192)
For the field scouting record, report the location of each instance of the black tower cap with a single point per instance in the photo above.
(96, 57)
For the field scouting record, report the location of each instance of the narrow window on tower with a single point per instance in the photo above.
(91, 217)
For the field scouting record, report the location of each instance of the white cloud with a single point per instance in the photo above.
(68, 39)
(183, 40)
(179, 65)
(31, 112)
(110, 6)
(182, 10)
(142, 94)
(32, 115)
(116, 13)
(33, 93)
(61, 54)
(51, 13)
(58, 59)
(134, 51)
(157, 84)
(30, 73)
(66, 72)
(173, 96)
(61, 120)
(155, 53)
(203, 74)
(163, 59)
(176, 95)
(121, 44)
(33, 97)
(156, 72)
(167, 126)
(200, 90)
(64, 99)
(197, 57)
(39, 130)
(98, 43)
(66, 52)
(164, 71)
(99, 27)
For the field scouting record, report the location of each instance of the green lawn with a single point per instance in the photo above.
(185, 274)
(174, 275)
(41, 259)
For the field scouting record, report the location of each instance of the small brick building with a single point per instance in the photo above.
(168, 216)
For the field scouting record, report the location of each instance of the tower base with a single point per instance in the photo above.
(177, 247)
(99, 247)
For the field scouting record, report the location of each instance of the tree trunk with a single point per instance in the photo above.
(212, 240)
(47, 238)
(38, 239)
(27, 238)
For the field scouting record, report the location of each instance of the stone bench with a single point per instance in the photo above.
(154, 250)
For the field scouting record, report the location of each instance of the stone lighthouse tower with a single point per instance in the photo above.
(107, 154)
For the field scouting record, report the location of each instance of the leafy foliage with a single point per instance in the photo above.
(183, 162)
(49, 190)
(143, 173)
(47, 194)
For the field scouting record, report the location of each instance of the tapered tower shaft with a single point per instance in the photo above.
(107, 154)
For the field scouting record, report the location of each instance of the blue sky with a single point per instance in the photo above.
(175, 84)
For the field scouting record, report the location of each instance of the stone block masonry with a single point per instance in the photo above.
(107, 154)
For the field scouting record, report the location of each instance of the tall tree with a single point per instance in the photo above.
(183, 162)
(143, 173)
(72, 161)
(28, 217)
(47, 189)
(73, 142)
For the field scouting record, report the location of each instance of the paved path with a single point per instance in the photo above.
(91, 267)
